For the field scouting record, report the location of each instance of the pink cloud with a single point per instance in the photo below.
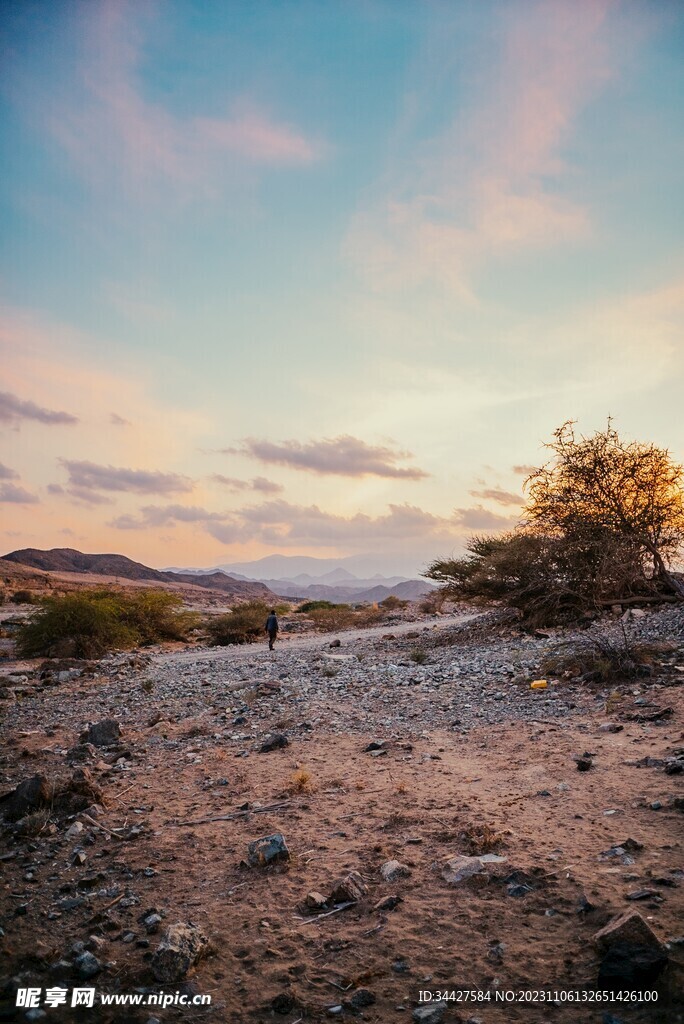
(110, 125)
(482, 185)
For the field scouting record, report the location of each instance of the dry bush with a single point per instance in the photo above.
(393, 603)
(418, 656)
(31, 826)
(245, 624)
(601, 659)
(480, 839)
(300, 782)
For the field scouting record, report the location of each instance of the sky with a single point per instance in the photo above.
(322, 277)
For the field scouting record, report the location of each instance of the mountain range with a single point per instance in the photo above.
(320, 579)
(71, 560)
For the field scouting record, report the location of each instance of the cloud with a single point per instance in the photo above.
(14, 409)
(525, 470)
(8, 474)
(88, 477)
(490, 181)
(118, 421)
(17, 495)
(167, 515)
(108, 126)
(498, 495)
(341, 456)
(257, 483)
(479, 518)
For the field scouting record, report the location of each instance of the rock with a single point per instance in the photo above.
(633, 956)
(283, 1003)
(28, 796)
(584, 764)
(362, 997)
(388, 903)
(335, 643)
(87, 965)
(181, 947)
(458, 869)
(101, 734)
(74, 831)
(268, 850)
(315, 901)
(375, 745)
(81, 752)
(350, 888)
(430, 1014)
(610, 727)
(276, 741)
(393, 869)
(642, 894)
(151, 923)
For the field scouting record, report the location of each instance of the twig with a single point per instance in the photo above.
(342, 906)
(127, 790)
(107, 831)
(235, 814)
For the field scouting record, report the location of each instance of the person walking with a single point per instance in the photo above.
(272, 628)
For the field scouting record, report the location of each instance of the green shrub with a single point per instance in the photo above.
(314, 606)
(243, 625)
(89, 624)
(392, 602)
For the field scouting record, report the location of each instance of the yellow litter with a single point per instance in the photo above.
(538, 684)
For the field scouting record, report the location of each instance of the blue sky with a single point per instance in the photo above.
(368, 255)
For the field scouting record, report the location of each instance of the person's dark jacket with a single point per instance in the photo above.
(272, 624)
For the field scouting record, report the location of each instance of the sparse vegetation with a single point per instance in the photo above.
(300, 782)
(314, 606)
(392, 603)
(603, 522)
(22, 597)
(243, 625)
(418, 656)
(89, 624)
(601, 659)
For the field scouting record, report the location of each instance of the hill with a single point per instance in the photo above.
(69, 560)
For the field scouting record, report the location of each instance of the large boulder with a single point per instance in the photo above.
(181, 947)
(632, 955)
(30, 795)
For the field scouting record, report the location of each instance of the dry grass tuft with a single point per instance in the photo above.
(300, 782)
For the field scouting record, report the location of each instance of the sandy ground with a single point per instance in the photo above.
(425, 800)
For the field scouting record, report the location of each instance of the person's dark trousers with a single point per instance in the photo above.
(271, 640)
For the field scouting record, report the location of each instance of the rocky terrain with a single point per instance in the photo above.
(327, 830)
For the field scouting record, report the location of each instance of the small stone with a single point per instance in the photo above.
(315, 901)
(277, 741)
(430, 1014)
(391, 870)
(350, 888)
(74, 831)
(181, 947)
(375, 745)
(610, 727)
(102, 734)
(656, 805)
(151, 923)
(268, 850)
(584, 764)
(362, 997)
(87, 965)
(388, 903)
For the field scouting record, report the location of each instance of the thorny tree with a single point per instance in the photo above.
(624, 489)
(603, 524)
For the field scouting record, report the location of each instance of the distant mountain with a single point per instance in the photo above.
(70, 560)
(362, 591)
(290, 566)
